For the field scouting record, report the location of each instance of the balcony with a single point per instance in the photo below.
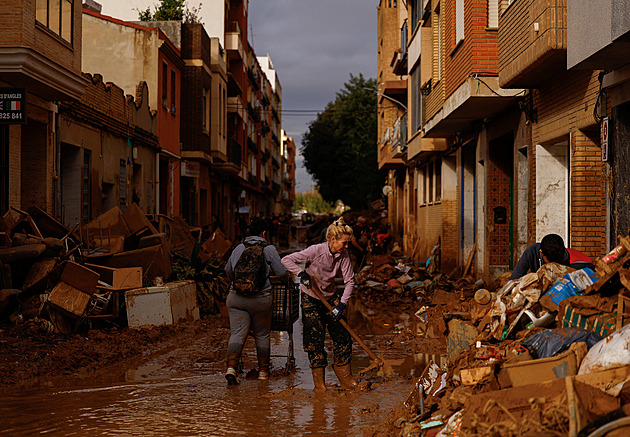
(532, 42)
(235, 105)
(475, 99)
(385, 157)
(218, 62)
(234, 41)
(399, 137)
(603, 44)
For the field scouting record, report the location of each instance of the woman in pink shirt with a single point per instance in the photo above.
(323, 262)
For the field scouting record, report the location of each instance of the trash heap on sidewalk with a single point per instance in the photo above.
(545, 354)
(116, 270)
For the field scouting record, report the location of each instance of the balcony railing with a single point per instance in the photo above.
(532, 42)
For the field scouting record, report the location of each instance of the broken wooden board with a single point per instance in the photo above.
(153, 260)
(109, 223)
(217, 245)
(40, 276)
(136, 220)
(69, 299)
(514, 407)
(10, 255)
(119, 278)
(48, 225)
(79, 277)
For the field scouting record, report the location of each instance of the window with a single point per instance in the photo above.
(56, 15)
(122, 183)
(438, 180)
(416, 14)
(164, 85)
(204, 110)
(493, 14)
(173, 92)
(459, 20)
(416, 108)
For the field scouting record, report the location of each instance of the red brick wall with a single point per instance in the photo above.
(477, 53)
(588, 195)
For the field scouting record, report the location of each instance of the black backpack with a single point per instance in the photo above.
(250, 272)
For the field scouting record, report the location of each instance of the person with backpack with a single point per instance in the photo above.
(249, 300)
(323, 262)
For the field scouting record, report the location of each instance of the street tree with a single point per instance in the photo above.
(339, 147)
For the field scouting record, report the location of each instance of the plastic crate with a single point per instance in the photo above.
(285, 307)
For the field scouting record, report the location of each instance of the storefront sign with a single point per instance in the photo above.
(190, 169)
(12, 105)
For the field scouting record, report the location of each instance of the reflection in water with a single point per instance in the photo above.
(151, 400)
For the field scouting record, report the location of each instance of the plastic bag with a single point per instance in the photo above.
(613, 351)
(551, 342)
(571, 284)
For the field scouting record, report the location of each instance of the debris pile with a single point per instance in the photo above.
(546, 353)
(56, 279)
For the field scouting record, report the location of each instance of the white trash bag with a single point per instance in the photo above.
(613, 351)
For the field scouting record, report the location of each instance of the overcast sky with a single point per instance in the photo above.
(314, 46)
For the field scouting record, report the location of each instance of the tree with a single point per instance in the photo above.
(312, 202)
(171, 10)
(339, 147)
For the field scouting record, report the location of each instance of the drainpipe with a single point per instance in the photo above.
(157, 182)
(57, 177)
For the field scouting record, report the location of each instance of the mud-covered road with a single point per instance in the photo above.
(169, 381)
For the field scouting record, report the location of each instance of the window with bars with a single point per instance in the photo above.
(57, 16)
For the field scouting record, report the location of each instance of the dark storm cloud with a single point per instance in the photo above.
(315, 45)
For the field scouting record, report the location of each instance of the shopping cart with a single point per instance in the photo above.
(285, 312)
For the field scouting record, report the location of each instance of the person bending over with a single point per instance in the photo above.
(324, 261)
(550, 249)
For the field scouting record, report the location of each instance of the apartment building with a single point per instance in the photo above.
(392, 108)
(604, 46)
(271, 108)
(504, 142)
(145, 53)
(204, 127)
(40, 66)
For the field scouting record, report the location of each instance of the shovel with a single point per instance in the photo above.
(376, 362)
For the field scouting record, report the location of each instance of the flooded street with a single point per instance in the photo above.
(184, 392)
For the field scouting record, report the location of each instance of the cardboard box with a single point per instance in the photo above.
(172, 303)
(545, 369)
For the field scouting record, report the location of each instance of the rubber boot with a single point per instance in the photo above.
(346, 380)
(319, 379)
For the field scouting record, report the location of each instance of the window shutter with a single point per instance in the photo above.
(493, 13)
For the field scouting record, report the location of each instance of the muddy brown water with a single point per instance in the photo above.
(167, 396)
